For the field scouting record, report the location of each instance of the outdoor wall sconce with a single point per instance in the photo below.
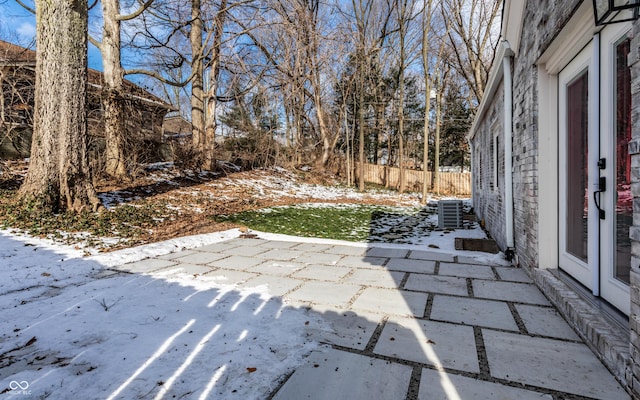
(613, 11)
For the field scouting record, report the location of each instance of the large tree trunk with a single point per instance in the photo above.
(327, 143)
(310, 35)
(321, 115)
(113, 102)
(58, 177)
(207, 145)
(197, 92)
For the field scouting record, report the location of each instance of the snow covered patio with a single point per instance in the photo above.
(223, 317)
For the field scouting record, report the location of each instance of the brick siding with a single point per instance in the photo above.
(543, 20)
(633, 376)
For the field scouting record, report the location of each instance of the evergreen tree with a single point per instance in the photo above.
(454, 149)
(253, 128)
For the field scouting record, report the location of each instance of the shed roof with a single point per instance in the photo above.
(12, 54)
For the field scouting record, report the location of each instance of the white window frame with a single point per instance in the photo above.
(496, 160)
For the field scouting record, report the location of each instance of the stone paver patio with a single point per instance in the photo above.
(409, 324)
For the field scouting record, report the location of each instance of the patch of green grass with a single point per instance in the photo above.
(351, 222)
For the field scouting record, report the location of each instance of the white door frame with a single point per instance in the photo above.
(597, 274)
(579, 269)
(612, 289)
(577, 33)
(571, 40)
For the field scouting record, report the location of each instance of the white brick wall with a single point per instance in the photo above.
(543, 20)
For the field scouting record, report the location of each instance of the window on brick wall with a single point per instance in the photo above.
(491, 163)
(496, 162)
(480, 169)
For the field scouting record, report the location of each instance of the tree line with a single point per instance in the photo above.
(332, 83)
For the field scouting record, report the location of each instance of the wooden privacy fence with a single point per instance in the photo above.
(449, 182)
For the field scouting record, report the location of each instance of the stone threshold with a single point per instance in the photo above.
(606, 338)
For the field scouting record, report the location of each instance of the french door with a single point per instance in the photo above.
(595, 204)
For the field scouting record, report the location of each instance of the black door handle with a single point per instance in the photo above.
(602, 187)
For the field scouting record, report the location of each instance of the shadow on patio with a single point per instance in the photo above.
(284, 319)
(430, 324)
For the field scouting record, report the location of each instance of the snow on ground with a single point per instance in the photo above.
(278, 183)
(72, 328)
(274, 184)
(283, 186)
(444, 243)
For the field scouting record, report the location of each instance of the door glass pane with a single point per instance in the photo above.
(624, 199)
(577, 154)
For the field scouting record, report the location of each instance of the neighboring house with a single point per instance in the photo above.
(17, 78)
(556, 167)
(176, 127)
(178, 137)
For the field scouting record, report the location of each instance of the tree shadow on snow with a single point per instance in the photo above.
(345, 322)
(73, 328)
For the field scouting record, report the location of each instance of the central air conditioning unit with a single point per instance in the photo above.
(450, 214)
